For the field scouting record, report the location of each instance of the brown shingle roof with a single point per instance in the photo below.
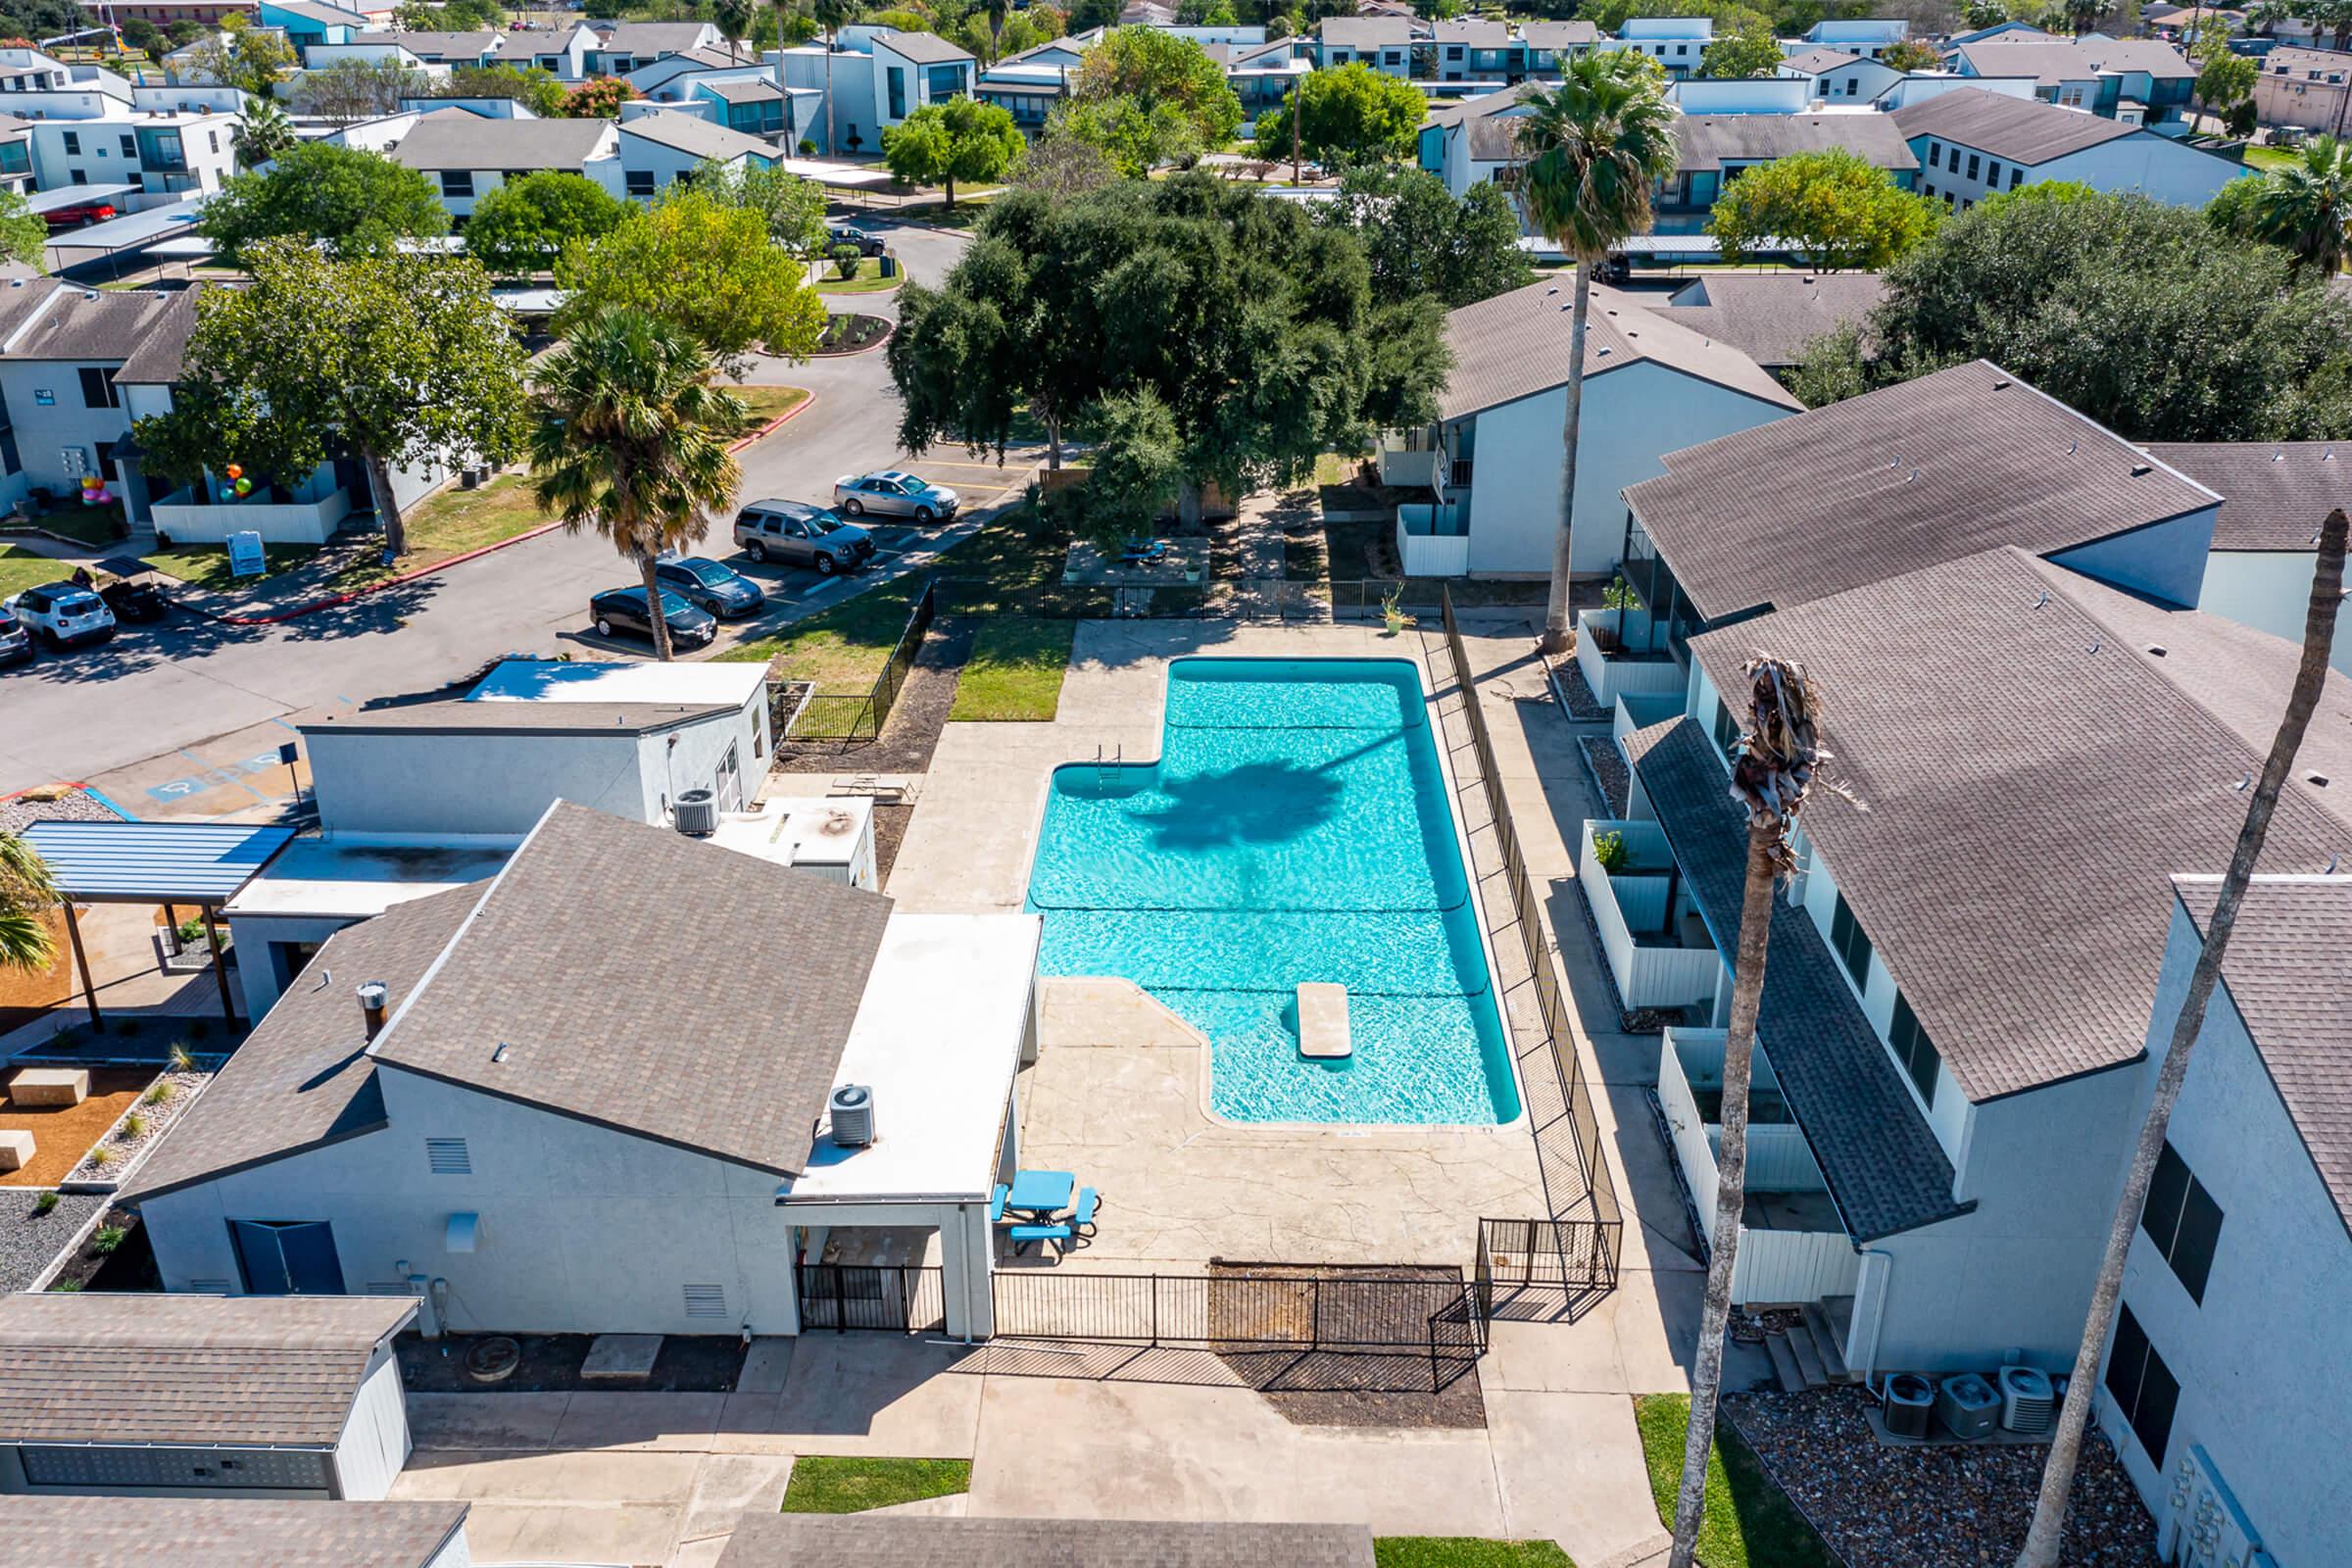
(1515, 345)
(1925, 472)
(1704, 142)
(2274, 494)
(692, 133)
(303, 1077)
(792, 1539)
(2034, 776)
(460, 138)
(2051, 61)
(2024, 130)
(924, 48)
(1558, 35)
(1770, 316)
(207, 1369)
(98, 325)
(1365, 33)
(2285, 977)
(714, 1022)
(55, 1532)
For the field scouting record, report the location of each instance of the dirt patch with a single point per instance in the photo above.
(63, 1134)
(1383, 1376)
(920, 713)
(128, 1265)
(890, 831)
(689, 1363)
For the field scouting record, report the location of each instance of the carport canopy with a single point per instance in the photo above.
(203, 863)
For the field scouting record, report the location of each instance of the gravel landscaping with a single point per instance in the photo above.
(31, 1240)
(1610, 772)
(156, 1117)
(1933, 1507)
(39, 805)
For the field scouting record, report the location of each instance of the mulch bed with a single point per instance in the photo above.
(851, 333)
(688, 1363)
(130, 1266)
(890, 831)
(1610, 772)
(1933, 1507)
(1346, 1385)
(1583, 705)
(912, 733)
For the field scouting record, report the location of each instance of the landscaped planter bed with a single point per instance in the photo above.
(30, 1240)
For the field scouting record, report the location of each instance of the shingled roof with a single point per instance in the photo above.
(281, 1371)
(1707, 142)
(2285, 977)
(1515, 345)
(2039, 754)
(77, 1532)
(2274, 494)
(2023, 131)
(792, 1539)
(1881, 1162)
(1925, 472)
(1771, 316)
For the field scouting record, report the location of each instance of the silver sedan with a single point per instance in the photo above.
(894, 494)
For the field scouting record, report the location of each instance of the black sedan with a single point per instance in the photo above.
(623, 609)
(717, 588)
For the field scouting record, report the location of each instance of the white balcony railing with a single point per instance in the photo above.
(1612, 673)
(1653, 964)
(1407, 467)
(1425, 545)
(288, 523)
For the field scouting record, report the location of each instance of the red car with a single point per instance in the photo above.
(79, 214)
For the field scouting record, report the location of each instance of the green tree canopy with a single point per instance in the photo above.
(792, 207)
(352, 201)
(402, 360)
(22, 232)
(705, 264)
(262, 132)
(942, 143)
(249, 60)
(1253, 325)
(1347, 114)
(2046, 282)
(28, 893)
(1910, 54)
(599, 98)
(1751, 52)
(532, 87)
(1152, 69)
(1419, 240)
(1834, 210)
(2306, 205)
(358, 89)
(524, 224)
(1133, 141)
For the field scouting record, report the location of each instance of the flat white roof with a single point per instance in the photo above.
(938, 1038)
(811, 832)
(825, 173)
(552, 680)
(356, 879)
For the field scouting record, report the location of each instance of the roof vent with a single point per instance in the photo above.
(373, 995)
(2317, 780)
(696, 814)
(2074, 446)
(852, 1106)
(2156, 650)
(2141, 471)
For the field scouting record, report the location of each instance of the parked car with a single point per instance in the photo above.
(16, 644)
(619, 609)
(138, 599)
(799, 534)
(894, 494)
(63, 614)
(867, 244)
(720, 589)
(79, 214)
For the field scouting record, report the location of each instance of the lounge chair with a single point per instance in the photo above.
(1025, 1237)
(1082, 1217)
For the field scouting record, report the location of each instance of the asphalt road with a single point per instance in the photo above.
(181, 719)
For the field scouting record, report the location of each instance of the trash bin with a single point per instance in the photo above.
(1906, 1402)
(1967, 1406)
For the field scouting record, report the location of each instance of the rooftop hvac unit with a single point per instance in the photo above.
(2027, 1401)
(696, 814)
(853, 1111)
(1967, 1406)
(1908, 1400)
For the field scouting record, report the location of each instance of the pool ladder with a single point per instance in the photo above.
(1104, 766)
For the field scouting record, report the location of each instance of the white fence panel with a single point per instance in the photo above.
(1793, 1267)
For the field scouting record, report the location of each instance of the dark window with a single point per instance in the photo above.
(1852, 944)
(98, 390)
(72, 144)
(1973, 161)
(76, 177)
(1933, 148)
(1913, 1049)
(2017, 178)
(2183, 1221)
(639, 182)
(897, 79)
(1993, 171)
(130, 146)
(1726, 731)
(457, 182)
(2142, 1387)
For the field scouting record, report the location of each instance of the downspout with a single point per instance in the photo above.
(1867, 1362)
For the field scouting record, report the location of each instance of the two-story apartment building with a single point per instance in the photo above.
(1973, 144)
(1385, 43)
(1838, 76)
(620, 47)
(2231, 1306)
(2304, 87)
(1870, 37)
(878, 76)
(1676, 43)
(1711, 150)
(2136, 80)
(469, 155)
(1474, 49)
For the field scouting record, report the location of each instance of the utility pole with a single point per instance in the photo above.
(1298, 106)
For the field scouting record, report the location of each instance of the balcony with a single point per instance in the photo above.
(1792, 1247)
(1434, 541)
(1614, 652)
(1406, 466)
(1657, 947)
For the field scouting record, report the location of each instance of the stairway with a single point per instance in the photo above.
(1808, 1355)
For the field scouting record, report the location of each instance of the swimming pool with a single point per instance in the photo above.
(1295, 828)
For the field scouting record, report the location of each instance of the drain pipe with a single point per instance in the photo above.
(1883, 1276)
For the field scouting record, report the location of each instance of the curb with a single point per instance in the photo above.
(888, 332)
(332, 600)
(94, 794)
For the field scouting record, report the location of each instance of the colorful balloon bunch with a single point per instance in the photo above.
(238, 485)
(94, 492)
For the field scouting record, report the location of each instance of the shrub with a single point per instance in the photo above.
(808, 147)
(102, 1157)
(106, 1239)
(181, 1059)
(45, 1203)
(134, 1126)
(1610, 849)
(189, 930)
(845, 261)
(160, 1092)
(67, 1285)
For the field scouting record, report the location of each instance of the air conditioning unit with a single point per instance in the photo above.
(697, 813)
(1967, 1406)
(2027, 1401)
(852, 1107)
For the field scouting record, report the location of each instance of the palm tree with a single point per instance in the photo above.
(1594, 147)
(632, 441)
(2066, 1446)
(832, 16)
(1778, 753)
(2306, 205)
(262, 133)
(733, 18)
(994, 11)
(26, 890)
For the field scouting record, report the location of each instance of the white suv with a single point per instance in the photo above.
(63, 614)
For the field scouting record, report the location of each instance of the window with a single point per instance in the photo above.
(898, 92)
(1726, 730)
(1973, 161)
(1852, 942)
(131, 147)
(457, 182)
(1913, 1049)
(1935, 149)
(98, 389)
(72, 144)
(2142, 1387)
(639, 182)
(2183, 1221)
(74, 176)
(1993, 171)
(2017, 178)
(448, 1156)
(1929, 190)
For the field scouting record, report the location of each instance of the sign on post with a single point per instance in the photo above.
(245, 556)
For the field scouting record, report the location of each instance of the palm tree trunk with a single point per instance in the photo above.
(653, 608)
(2065, 1448)
(387, 509)
(1558, 633)
(1053, 441)
(1731, 1183)
(832, 147)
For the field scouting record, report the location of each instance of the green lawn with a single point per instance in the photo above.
(822, 1485)
(2260, 156)
(95, 527)
(20, 568)
(206, 565)
(869, 278)
(769, 403)
(1465, 1551)
(1015, 669)
(1750, 1522)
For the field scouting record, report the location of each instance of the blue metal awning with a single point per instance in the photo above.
(154, 862)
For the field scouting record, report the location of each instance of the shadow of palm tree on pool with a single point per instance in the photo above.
(1257, 803)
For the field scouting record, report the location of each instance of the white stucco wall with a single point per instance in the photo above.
(2263, 1360)
(376, 1441)
(2268, 590)
(257, 965)
(1632, 418)
(467, 783)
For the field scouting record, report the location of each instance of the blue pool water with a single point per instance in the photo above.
(1295, 828)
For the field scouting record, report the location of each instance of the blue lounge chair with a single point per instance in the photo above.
(1025, 1237)
(1082, 1218)
(996, 1202)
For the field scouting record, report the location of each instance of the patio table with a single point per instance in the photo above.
(1039, 1194)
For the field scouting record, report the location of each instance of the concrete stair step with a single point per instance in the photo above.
(1808, 1356)
(1839, 1309)
(1825, 1340)
(1783, 1363)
